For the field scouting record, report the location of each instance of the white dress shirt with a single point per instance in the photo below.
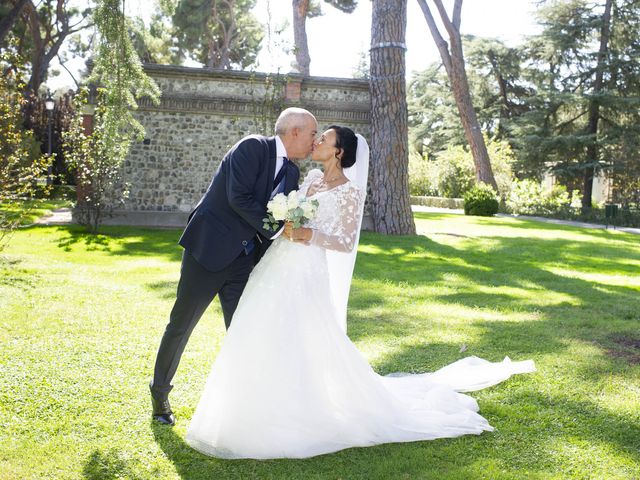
(281, 154)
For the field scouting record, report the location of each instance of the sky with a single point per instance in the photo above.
(338, 41)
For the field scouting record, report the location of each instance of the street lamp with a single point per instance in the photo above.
(49, 105)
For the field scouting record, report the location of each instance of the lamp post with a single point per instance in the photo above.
(49, 105)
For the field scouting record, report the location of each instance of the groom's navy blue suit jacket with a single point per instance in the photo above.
(232, 210)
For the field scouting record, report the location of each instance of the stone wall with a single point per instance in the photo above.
(201, 114)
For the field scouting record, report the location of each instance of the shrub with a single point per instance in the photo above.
(98, 156)
(502, 158)
(528, 197)
(420, 172)
(438, 202)
(452, 173)
(481, 200)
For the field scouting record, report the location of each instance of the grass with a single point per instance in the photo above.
(33, 209)
(82, 317)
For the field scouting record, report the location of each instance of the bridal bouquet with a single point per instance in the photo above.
(289, 208)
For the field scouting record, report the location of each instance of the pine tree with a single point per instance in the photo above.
(583, 117)
(219, 33)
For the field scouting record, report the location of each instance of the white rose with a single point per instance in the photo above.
(279, 213)
(292, 200)
(309, 209)
(278, 207)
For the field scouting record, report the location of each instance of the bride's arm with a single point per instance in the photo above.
(343, 238)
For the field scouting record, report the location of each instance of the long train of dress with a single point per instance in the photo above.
(288, 382)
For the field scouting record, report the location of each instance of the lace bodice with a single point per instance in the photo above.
(337, 219)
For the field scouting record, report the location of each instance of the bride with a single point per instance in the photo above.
(288, 382)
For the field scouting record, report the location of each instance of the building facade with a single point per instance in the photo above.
(201, 114)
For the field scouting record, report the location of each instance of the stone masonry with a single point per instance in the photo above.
(201, 114)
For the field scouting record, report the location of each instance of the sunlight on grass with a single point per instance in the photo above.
(598, 278)
(34, 209)
(589, 452)
(82, 317)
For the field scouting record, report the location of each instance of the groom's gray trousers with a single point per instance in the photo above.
(196, 289)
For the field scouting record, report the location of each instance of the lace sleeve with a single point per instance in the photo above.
(342, 239)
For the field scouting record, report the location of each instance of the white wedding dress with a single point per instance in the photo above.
(288, 382)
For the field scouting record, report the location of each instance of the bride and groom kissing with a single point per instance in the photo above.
(287, 381)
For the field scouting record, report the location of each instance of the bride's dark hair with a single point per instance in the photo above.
(347, 141)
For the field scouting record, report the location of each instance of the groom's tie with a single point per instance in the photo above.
(278, 187)
(280, 180)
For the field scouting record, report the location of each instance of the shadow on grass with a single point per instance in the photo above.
(377, 462)
(189, 463)
(569, 420)
(164, 289)
(12, 275)
(520, 264)
(541, 425)
(125, 241)
(91, 242)
(109, 465)
(482, 263)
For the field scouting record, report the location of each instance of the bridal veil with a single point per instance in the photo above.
(341, 264)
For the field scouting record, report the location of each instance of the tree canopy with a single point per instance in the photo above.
(41, 29)
(566, 100)
(218, 33)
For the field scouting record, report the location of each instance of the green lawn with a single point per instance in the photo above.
(33, 209)
(81, 318)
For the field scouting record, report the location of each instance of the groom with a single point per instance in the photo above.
(225, 237)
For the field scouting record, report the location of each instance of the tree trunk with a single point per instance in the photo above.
(594, 110)
(211, 47)
(6, 24)
(505, 110)
(229, 34)
(40, 63)
(220, 45)
(453, 60)
(389, 120)
(300, 10)
(38, 50)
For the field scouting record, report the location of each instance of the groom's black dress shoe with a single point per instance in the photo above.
(162, 410)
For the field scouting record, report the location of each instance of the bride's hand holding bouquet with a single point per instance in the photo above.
(294, 211)
(301, 234)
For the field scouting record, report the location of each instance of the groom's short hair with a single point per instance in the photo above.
(290, 118)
